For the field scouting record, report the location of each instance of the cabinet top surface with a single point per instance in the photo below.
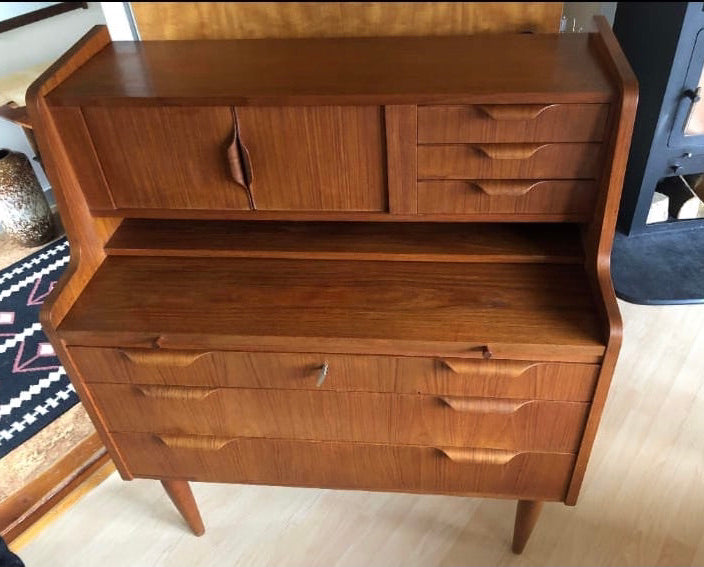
(497, 68)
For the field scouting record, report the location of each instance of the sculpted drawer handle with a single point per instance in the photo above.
(323, 374)
(514, 111)
(145, 357)
(505, 368)
(510, 187)
(509, 151)
(485, 405)
(197, 442)
(467, 456)
(175, 392)
(240, 163)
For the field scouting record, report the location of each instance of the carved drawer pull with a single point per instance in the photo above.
(510, 187)
(178, 358)
(478, 456)
(509, 151)
(485, 405)
(504, 368)
(175, 392)
(197, 442)
(514, 111)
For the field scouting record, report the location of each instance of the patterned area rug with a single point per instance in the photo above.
(34, 388)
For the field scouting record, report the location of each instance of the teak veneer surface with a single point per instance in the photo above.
(292, 302)
(436, 242)
(545, 68)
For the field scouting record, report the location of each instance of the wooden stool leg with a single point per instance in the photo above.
(527, 513)
(180, 493)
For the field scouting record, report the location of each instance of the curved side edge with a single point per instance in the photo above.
(599, 236)
(86, 234)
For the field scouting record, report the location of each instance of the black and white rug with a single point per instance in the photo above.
(34, 388)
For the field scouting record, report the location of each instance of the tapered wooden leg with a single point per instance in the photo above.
(180, 493)
(527, 513)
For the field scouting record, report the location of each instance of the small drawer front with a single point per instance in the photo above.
(408, 419)
(526, 475)
(294, 371)
(568, 197)
(509, 161)
(512, 123)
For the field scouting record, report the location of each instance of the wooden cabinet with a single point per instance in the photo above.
(329, 263)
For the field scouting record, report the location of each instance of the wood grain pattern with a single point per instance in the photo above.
(223, 20)
(315, 158)
(527, 514)
(574, 197)
(81, 153)
(295, 303)
(177, 157)
(422, 242)
(532, 425)
(512, 123)
(483, 69)
(23, 508)
(546, 161)
(350, 466)
(401, 158)
(86, 234)
(347, 373)
(180, 494)
(600, 234)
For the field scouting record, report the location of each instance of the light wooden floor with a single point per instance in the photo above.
(642, 502)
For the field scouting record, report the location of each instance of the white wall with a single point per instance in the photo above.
(40, 42)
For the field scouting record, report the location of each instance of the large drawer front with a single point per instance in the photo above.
(509, 161)
(573, 197)
(512, 123)
(538, 476)
(408, 419)
(408, 375)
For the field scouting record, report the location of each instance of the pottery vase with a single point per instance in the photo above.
(24, 212)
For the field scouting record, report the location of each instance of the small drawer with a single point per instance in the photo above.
(402, 419)
(519, 197)
(509, 161)
(512, 123)
(404, 375)
(470, 471)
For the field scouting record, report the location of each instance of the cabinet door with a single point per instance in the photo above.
(167, 157)
(317, 158)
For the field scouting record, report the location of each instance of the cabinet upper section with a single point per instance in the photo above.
(497, 127)
(500, 68)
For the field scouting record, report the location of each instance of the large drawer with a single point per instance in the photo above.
(525, 475)
(512, 123)
(519, 197)
(406, 419)
(449, 376)
(509, 161)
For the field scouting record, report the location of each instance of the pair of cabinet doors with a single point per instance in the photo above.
(315, 158)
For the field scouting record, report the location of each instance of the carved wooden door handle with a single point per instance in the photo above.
(514, 111)
(240, 163)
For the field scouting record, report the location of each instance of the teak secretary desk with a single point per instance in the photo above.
(377, 264)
